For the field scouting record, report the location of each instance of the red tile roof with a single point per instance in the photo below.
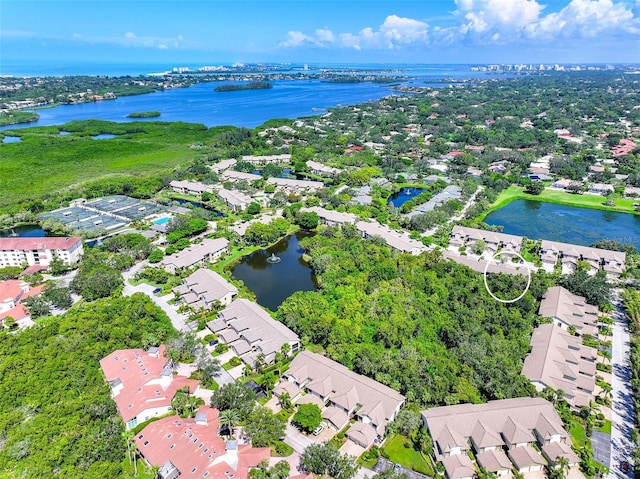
(17, 312)
(140, 374)
(192, 446)
(39, 243)
(11, 289)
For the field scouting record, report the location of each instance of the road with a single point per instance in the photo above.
(622, 416)
(178, 320)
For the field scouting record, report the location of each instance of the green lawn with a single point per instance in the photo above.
(578, 434)
(514, 192)
(606, 427)
(400, 449)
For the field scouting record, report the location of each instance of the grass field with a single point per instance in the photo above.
(45, 161)
(399, 449)
(621, 205)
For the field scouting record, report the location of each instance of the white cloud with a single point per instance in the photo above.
(77, 35)
(586, 18)
(295, 39)
(130, 35)
(487, 22)
(395, 32)
(501, 21)
(324, 35)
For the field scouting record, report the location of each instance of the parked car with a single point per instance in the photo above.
(318, 430)
(397, 467)
(213, 343)
(624, 466)
(157, 291)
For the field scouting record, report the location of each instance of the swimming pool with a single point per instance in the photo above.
(161, 221)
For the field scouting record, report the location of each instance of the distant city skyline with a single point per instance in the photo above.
(374, 31)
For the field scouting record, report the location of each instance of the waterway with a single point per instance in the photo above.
(249, 108)
(272, 283)
(567, 224)
(400, 197)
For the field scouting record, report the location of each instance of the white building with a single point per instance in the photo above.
(41, 251)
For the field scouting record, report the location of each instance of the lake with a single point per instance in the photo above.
(24, 231)
(400, 197)
(272, 283)
(567, 224)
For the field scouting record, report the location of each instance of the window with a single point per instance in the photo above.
(146, 443)
(171, 447)
(205, 474)
(195, 440)
(140, 436)
(194, 470)
(200, 446)
(169, 436)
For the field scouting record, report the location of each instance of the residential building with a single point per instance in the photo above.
(190, 187)
(41, 251)
(267, 159)
(323, 170)
(560, 361)
(191, 447)
(203, 288)
(396, 240)
(613, 262)
(235, 176)
(252, 333)
(451, 192)
(12, 292)
(295, 186)
(142, 383)
(480, 265)
(569, 310)
(602, 189)
(463, 236)
(488, 430)
(236, 200)
(196, 254)
(342, 394)
(222, 165)
(331, 217)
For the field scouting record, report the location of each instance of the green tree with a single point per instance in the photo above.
(308, 220)
(264, 428)
(156, 256)
(234, 396)
(534, 188)
(407, 421)
(326, 460)
(280, 470)
(253, 208)
(9, 322)
(308, 417)
(229, 419)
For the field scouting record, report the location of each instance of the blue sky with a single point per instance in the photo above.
(312, 31)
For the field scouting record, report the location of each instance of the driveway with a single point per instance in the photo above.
(296, 439)
(622, 416)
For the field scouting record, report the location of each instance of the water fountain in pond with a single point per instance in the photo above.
(273, 259)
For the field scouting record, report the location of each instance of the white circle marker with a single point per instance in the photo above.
(486, 285)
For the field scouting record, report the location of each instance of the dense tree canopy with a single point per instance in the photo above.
(56, 415)
(425, 327)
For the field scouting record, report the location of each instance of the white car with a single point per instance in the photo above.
(318, 430)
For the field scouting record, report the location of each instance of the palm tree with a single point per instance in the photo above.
(128, 437)
(285, 400)
(285, 349)
(561, 468)
(230, 419)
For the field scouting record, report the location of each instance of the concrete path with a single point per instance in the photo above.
(622, 416)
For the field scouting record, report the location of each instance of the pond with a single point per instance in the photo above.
(272, 283)
(567, 224)
(104, 136)
(11, 139)
(399, 198)
(24, 231)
